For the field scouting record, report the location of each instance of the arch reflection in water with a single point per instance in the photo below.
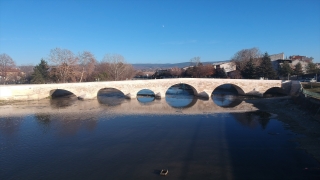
(181, 96)
(145, 96)
(253, 119)
(110, 97)
(226, 96)
(61, 98)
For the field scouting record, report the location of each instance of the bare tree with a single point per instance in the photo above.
(100, 72)
(64, 63)
(207, 70)
(87, 63)
(243, 56)
(130, 72)
(195, 61)
(175, 71)
(6, 64)
(117, 66)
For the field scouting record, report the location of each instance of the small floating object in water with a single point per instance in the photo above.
(164, 172)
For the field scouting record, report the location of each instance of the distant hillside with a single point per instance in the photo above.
(166, 66)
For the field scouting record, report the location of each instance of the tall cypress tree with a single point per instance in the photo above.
(40, 73)
(249, 71)
(298, 69)
(265, 69)
(285, 69)
(312, 68)
(220, 73)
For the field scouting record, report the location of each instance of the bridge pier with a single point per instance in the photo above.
(130, 96)
(159, 96)
(203, 94)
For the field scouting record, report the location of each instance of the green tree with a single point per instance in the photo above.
(265, 69)
(249, 70)
(40, 73)
(103, 76)
(220, 73)
(285, 69)
(312, 68)
(298, 69)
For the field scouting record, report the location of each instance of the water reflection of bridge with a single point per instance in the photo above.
(124, 107)
(69, 116)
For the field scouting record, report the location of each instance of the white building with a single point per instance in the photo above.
(226, 65)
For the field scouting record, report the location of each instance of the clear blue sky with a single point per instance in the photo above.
(162, 31)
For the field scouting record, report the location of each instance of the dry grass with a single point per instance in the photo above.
(313, 87)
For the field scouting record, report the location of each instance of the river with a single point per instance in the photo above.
(222, 137)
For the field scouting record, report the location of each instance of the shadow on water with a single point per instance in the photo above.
(253, 119)
(181, 96)
(65, 125)
(10, 126)
(111, 97)
(189, 158)
(145, 96)
(44, 121)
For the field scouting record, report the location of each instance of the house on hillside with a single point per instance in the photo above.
(278, 59)
(275, 57)
(303, 60)
(230, 68)
(226, 65)
(11, 76)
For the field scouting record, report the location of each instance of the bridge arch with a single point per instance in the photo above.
(182, 85)
(239, 90)
(55, 93)
(106, 90)
(145, 96)
(110, 96)
(275, 91)
(110, 91)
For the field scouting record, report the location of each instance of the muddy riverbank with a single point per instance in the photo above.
(298, 118)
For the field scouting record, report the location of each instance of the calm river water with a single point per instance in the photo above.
(115, 138)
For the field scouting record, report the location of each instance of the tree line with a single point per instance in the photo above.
(251, 64)
(198, 70)
(65, 67)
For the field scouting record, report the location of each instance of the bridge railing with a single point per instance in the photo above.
(307, 92)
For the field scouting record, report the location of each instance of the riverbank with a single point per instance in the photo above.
(297, 118)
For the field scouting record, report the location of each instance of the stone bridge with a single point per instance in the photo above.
(88, 90)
